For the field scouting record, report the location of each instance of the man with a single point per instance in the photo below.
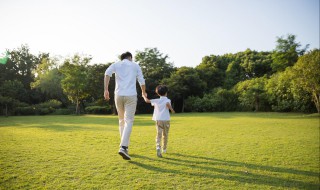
(126, 73)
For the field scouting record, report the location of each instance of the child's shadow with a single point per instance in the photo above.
(226, 170)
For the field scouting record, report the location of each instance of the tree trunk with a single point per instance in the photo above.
(6, 110)
(257, 103)
(182, 110)
(77, 106)
(316, 100)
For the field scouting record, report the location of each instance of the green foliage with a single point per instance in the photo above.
(28, 110)
(255, 64)
(252, 94)
(155, 67)
(307, 75)
(285, 95)
(234, 74)
(38, 109)
(63, 111)
(20, 66)
(282, 80)
(183, 83)
(98, 110)
(74, 82)
(95, 76)
(50, 104)
(286, 53)
(12, 88)
(10, 94)
(48, 79)
(95, 85)
(212, 70)
(219, 100)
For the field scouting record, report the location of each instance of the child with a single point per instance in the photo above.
(162, 117)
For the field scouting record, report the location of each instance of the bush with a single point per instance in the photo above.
(38, 109)
(45, 111)
(29, 110)
(218, 100)
(50, 104)
(63, 111)
(98, 110)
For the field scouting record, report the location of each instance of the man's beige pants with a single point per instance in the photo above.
(162, 132)
(126, 107)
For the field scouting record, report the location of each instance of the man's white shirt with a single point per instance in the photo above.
(126, 74)
(161, 111)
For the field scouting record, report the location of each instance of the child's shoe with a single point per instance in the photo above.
(164, 151)
(159, 153)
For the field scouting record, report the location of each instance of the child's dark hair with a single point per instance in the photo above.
(161, 90)
(125, 55)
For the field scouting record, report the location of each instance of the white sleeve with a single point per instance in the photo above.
(110, 70)
(153, 101)
(140, 77)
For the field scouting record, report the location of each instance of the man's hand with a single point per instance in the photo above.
(144, 95)
(106, 95)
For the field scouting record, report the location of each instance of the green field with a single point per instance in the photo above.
(205, 151)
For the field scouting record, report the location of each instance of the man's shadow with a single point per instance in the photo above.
(227, 170)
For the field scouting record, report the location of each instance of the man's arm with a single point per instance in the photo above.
(143, 90)
(141, 81)
(107, 76)
(106, 86)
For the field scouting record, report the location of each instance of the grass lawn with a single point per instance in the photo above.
(205, 151)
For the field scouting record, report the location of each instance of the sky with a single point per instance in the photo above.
(185, 30)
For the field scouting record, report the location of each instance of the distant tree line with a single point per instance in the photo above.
(286, 79)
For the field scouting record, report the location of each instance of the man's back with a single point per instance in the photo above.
(126, 73)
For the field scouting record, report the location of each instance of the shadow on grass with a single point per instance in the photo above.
(70, 123)
(64, 128)
(227, 170)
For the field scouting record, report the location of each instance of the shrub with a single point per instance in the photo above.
(218, 100)
(29, 110)
(63, 111)
(98, 110)
(50, 104)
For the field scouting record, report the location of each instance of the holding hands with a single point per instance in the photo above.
(144, 95)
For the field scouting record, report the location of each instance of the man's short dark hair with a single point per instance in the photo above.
(125, 55)
(161, 90)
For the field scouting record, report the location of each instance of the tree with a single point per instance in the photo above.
(95, 86)
(234, 74)
(183, 83)
(283, 95)
(74, 82)
(155, 67)
(48, 78)
(252, 93)
(218, 100)
(286, 53)
(307, 75)
(9, 94)
(20, 66)
(255, 64)
(212, 70)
